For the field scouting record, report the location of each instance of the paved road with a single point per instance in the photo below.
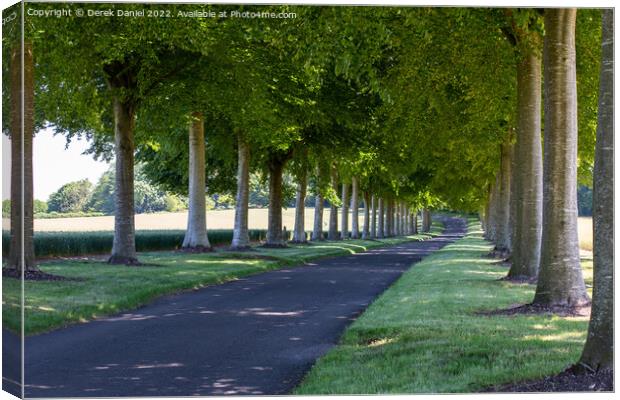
(257, 335)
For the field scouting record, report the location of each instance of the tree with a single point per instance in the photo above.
(344, 219)
(355, 231)
(527, 181)
(196, 234)
(22, 125)
(598, 351)
(241, 237)
(71, 197)
(560, 281)
(276, 162)
(115, 67)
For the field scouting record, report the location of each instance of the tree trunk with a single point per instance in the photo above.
(503, 211)
(492, 221)
(426, 220)
(299, 234)
(399, 218)
(355, 230)
(381, 224)
(366, 226)
(124, 244)
(275, 236)
(373, 219)
(241, 235)
(196, 234)
(387, 229)
(560, 280)
(332, 233)
(390, 219)
(598, 351)
(407, 221)
(21, 250)
(528, 159)
(344, 222)
(415, 222)
(317, 231)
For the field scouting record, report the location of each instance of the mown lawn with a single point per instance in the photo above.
(103, 289)
(424, 335)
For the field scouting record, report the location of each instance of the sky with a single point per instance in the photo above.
(53, 164)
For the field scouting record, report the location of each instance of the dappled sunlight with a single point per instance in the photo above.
(575, 337)
(269, 313)
(380, 342)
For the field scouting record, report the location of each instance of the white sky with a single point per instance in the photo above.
(53, 164)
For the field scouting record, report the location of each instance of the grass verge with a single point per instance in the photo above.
(102, 289)
(424, 335)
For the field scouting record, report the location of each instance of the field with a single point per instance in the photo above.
(585, 233)
(216, 219)
(221, 219)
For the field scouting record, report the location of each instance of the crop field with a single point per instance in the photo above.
(216, 219)
(221, 219)
(585, 233)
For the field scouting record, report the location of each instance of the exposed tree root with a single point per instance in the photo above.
(197, 249)
(122, 260)
(34, 275)
(537, 309)
(567, 381)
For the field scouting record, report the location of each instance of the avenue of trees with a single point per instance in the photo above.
(392, 110)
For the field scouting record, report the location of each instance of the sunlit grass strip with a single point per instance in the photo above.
(104, 289)
(424, 335)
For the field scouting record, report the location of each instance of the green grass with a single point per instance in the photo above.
(106, 289)
(71, 244)
(423, 335)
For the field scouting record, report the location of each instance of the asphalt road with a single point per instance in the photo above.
(257, 335)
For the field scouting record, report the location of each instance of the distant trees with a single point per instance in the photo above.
(71, 197)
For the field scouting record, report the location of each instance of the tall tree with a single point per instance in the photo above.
(317, 230)
(344, 219)
(528, 150)
(241, 236)
(275, 164)
(599, 348)
(299, 232)
(21, 252)
(332, 233)
(355, 230)
(560, 281)
(196, 237)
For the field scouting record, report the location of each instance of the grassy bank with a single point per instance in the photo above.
(103, 289)
(424, 335)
